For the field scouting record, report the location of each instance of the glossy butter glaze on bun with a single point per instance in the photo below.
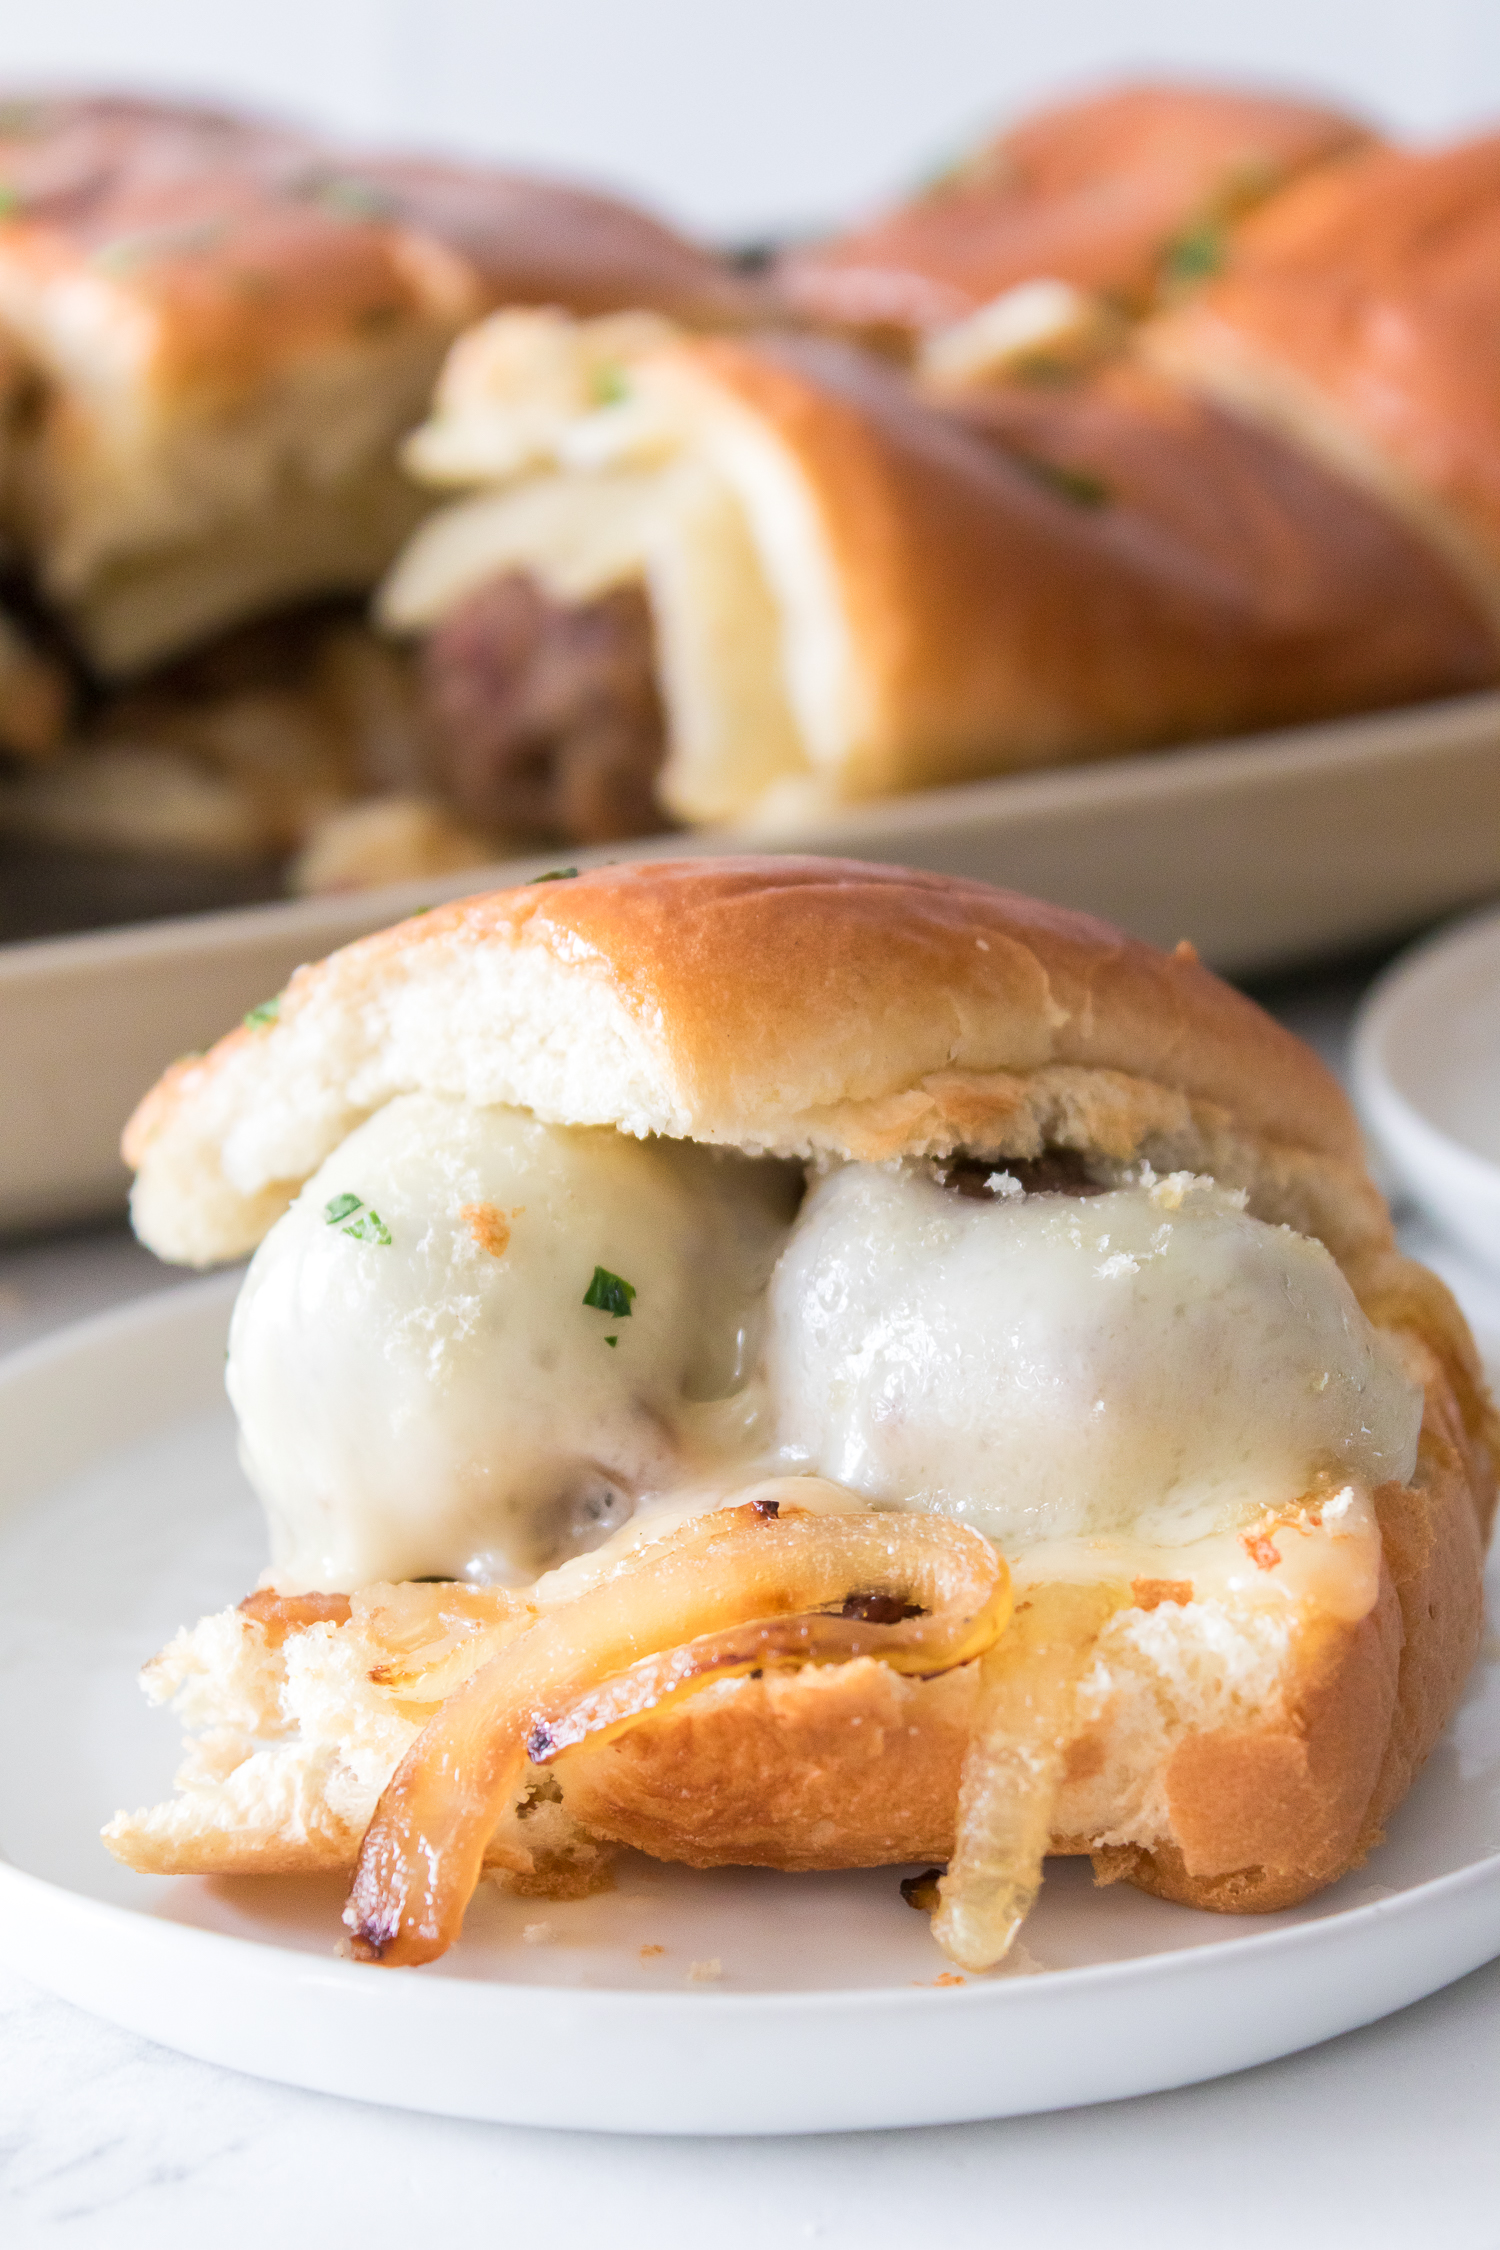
(1355, 316)
(795, 1007)
(1087, 1275)
(1099, 193)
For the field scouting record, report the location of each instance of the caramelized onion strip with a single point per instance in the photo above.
(1013, 1768)
(422, 1852)
(922, 1646)
(280, 1614)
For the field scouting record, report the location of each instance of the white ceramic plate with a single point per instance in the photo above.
(122, 1514)
(1264, 851)
(1426, 1073)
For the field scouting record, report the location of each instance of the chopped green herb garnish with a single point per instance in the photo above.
(1195, 254)
(264, 1012)
(128, 251)
(1078, 485)
(610, 1340)
(958, 169)
(609, 384)
(609, 1294)
(353, 199)
(554, 875)
(369, 1227)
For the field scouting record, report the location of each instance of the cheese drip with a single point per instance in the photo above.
(430, 1394)
(1151, 1361)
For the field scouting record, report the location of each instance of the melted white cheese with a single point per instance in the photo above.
(1136, 1385)
(1150, 1362)
(428, 1406)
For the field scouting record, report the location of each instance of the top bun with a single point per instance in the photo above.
(1356, 316)
(801, 1007)
(1103, 192)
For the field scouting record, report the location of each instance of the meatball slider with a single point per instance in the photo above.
(792, 1363)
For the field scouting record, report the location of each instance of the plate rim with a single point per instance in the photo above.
(295, 1967)
(1385, 1106)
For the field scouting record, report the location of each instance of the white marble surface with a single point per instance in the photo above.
(1386, 2137)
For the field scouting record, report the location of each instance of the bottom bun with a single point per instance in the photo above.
(1230, 1760)
(1231, 1757)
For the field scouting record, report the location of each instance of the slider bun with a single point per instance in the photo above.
(1231, 1758)
(1356, 316)
(1092, 192)
(969, 603)
(799, 1007)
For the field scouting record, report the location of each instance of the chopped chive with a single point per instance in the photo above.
(371, 1228)
(264, 1012)
(350, 198)
(553, 875)
(609, 384)
(1195, 254)
(607, 1293)
(1077, 485)
(368, 1228)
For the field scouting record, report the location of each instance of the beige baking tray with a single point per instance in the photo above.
(1264, 852)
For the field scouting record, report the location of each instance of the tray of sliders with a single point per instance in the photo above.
(437, 525)
(835, 1508)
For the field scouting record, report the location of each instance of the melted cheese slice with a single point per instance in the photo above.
(1150, 1364)
(430, 1394)
(1142, 1384)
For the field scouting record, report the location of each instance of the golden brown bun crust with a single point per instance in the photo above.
(790, 983)
(849, 1767)
(754, 962)
(857, 1768)
(1328, 600)
(1093, 192)
(1370, 289)
(253, 244)
(1001, 616)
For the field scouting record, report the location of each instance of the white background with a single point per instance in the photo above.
(746, 116)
